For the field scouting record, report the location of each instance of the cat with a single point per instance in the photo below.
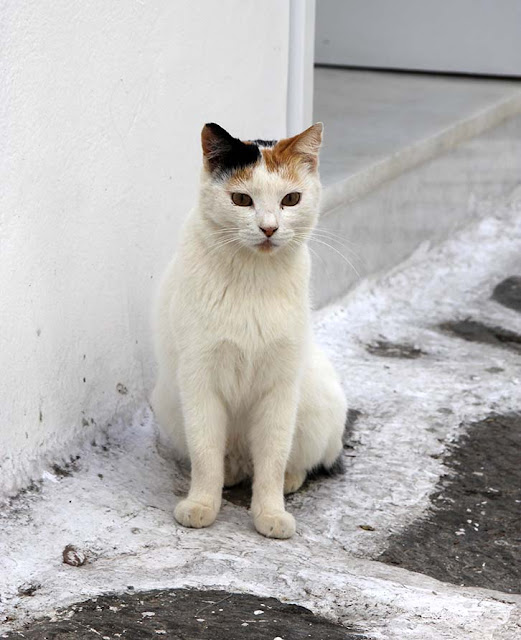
(242, 389)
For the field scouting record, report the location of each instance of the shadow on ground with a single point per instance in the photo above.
(474, 331)
(508, 293)
(179, 614)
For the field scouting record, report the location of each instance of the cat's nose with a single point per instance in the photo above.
(268, 231)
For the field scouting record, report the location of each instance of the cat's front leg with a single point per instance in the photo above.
(271, 436)
(205, 424)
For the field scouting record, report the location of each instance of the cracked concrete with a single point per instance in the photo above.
(115, 504)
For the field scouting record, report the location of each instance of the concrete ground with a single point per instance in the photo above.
(404, 158)
(372, 115)
(420, 538)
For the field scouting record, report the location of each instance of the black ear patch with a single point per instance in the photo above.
(265, 143)
(224, 154)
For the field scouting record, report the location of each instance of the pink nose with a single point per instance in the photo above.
(268, 231)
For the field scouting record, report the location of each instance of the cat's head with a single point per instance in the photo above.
(260, 194)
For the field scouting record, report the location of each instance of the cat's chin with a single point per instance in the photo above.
(266, 246)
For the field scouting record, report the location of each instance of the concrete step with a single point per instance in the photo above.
(405, 160)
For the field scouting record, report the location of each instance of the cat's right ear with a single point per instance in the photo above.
(217, 143)
(222, 153)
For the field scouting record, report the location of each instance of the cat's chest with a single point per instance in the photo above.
(249, 306)
(254, 319)
(244, 373)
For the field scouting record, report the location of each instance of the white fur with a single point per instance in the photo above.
(242, 390)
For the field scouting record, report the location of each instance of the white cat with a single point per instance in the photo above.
(242, 389)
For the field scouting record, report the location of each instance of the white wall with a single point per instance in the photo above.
(101, 106)
(301, 65)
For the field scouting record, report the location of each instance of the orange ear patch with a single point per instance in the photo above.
(291, 154)
(288, 163)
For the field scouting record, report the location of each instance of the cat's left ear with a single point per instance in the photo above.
(305, 146)
(308, 141)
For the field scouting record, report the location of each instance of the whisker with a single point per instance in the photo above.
(222, 244)
(327, 231)
(223, 232)
(351, 251)
(295, 245)
(236, 252)
(339, 253)
(317, 255)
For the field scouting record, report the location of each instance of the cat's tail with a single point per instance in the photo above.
(338, 467)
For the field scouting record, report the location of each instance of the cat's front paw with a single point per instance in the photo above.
(194, 514)
(279, 524)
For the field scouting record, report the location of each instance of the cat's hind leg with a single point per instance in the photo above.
(166, 405)
(293, 481)
(320, 421)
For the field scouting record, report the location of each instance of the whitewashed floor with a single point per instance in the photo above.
(117, 504)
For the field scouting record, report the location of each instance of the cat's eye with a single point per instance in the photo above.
(242, 199)
(291, 199)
